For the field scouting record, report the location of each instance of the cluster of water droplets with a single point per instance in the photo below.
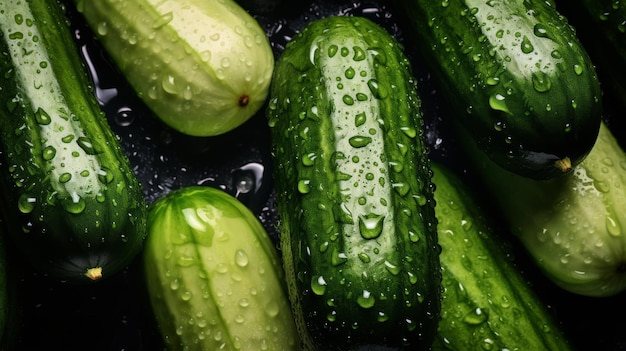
(213, 266)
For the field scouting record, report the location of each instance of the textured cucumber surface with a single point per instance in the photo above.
(114, 316)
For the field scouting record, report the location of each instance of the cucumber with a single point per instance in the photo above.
(72, 203)
(487, 303)
(353, 189)
(520, 81)
(213, 275)
(601, 26)
(574, 227)
(202, 67)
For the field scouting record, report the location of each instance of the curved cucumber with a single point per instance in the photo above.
(486, 304)
(574, 227)
(213, 275)
(203, 67)
(354, 191)
(72, 201)
(521, 82)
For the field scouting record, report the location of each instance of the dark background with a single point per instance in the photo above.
(114, 313)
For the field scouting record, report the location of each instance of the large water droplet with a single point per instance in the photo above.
(359, 141)
(241, 258)
(371, 225)
(366, 300)
(87, 146)
(26, 203)
(541, 82)
(475, 317)
(318, 285)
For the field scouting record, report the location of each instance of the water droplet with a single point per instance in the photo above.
(332, 50)
(186, 295)
(359, 54)
(360, 119)
(361, 97)
(540, 30)
(74, 204)
(49, 152)
(241, 258)
(87, 146)
(365, 258)
(497, 102)
(304, 186)
(42, 117)
(541, 81)
(338, 258)
(185, 261)
(578, 69)
(409, 131)
(612, 226)
(526, 45)
(360, 141)
(26, 203)
(318, 285)
(350, 73)
(371, 225)
(102, 28)
(392, 268)
(376, 89)
(475, 317)
(65, 177)
(124, 116)
(308, 159)
(348, 100)
(366, 300)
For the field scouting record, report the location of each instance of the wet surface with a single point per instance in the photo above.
(114, 314)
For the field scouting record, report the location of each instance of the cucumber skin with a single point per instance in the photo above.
(478, 275)
(199, 82)
(573, 226)
(329, 264)
(600, 26)
(212, 270)
(467, 50)
(108, 233)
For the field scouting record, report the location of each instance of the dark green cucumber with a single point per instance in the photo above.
(601, 26)
(574, 227)
(214, 277)
(354, 191)
(71, 200)
(486, 304)
(522, 84)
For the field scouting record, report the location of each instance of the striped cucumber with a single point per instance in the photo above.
(487, 304)
(71, 200)
(214, 276)
(521, 83)
(354, 191)
(574, 227)
(202, 66)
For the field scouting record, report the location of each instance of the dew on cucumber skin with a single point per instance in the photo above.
(318, 285)
(366, 299)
